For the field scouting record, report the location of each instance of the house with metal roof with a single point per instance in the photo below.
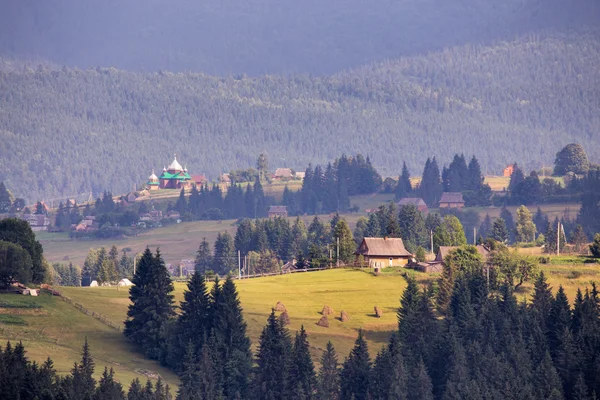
(383, 252)
(278, 211)
(414, 201)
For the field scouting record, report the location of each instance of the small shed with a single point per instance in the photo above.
(383, 252)
(452, 200)
(414, 201)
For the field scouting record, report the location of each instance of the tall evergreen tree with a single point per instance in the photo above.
(431, 187)
(82, 384)
(232, 345)
(108, 388)
(329, 377)
(272, 360)
(412, 227)
(404, 187)
(224, 259)
(151, 304)
(302, 378)
(356, 371)
(203, 261)
(499, 231)
(343, 236)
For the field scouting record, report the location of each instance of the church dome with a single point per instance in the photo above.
(175, 166)
(153, 177)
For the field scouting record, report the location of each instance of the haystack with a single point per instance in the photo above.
(378, 312)
(323, 321)
(344, 317)
(284, 318)
(327, 310)
(280, 307)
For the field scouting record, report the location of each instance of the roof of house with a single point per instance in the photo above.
(278, 209)
(414, 201)
(181, 175)
(387, 247)
(199, 178)
(283, 172)
(444, 250)
(452, 197)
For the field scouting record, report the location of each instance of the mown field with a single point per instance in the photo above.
(50, 327)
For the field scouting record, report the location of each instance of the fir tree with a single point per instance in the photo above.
(546, 379)
(203, 261)
(82, 383)
(346, 242)
(272, 361)
(224, 259)
(151, 304)
(509, 223)
(419, 386)
(301, 370)
(135, 392)
(381, 378)
(356, 371)
(108, 388)
(499, 231)
(412, 227)
(328, 381)
(232, 345)
(404, 187)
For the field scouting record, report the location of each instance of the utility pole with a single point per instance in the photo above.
(134, 262)
(338, 253)
(474, 236)
(431, 239)
(558, 239)
(239, 265)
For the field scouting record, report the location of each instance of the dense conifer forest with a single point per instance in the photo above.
(68, 131)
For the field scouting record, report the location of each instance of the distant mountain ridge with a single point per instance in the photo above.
(258, 37)
(67, 131)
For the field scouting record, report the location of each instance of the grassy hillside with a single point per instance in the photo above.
(72, 131)
(305, 294)
(266, 36)
(50, 327)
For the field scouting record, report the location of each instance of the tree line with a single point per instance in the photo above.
(22, 379)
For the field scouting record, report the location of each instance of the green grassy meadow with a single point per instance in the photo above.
(50, 327)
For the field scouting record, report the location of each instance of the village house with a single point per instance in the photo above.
(383, 252)
(37, 222)
(199, 180)
(299, 175)
(283, 174)
(414, 201)
(508, 171)
(278, 211)
(452, 200)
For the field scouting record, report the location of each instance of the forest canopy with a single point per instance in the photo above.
(69, 131)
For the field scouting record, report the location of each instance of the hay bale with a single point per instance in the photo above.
(280, 307)
(378, 312)
(327, 310)
(324, 322)
(344, 317)
(284, 318)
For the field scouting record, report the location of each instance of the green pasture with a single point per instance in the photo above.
(50, 327)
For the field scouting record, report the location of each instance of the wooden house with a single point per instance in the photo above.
(414, 201)
(508, 171)
(278, 211)
(383, 252)
(283, 173)
(452, 200)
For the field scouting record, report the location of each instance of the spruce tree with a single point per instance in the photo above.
(509, 223)
(356, 371)
(193, 324)
(151, 304)
(188, 377)
(419, 386)
(542, 301)
(108, 388)
(412, 227)
(135, 392)
(381, 377)
(301, 370)
(546, 380)
(404, 187)
(329, 376)
(499, 231)
(272, 361)
(224, 259)
(203, 261)
(346, 241)
(398, 389)
(231, 341)
(83, 384)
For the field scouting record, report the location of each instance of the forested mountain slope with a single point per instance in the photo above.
(70, 131)
(266, 36)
